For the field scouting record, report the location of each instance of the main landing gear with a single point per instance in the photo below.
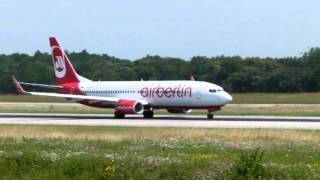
(148, 114)
(118, 115)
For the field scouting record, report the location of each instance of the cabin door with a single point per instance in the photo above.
(198, 95)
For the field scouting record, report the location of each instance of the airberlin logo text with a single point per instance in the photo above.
(166, 92)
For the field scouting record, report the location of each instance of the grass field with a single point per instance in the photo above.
(276, 98)
(60, 152)
(243, 98)
(29, 98)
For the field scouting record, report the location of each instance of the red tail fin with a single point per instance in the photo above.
(62, 66)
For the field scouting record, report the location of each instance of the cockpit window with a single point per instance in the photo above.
(212, 90)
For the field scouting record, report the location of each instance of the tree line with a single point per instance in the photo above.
(235, 74)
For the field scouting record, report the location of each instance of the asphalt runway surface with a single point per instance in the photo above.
(183, 121)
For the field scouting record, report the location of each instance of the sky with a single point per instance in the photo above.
(169, 28)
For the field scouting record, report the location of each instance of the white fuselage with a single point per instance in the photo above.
(189, 94)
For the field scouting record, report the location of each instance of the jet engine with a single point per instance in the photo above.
(129, 107)
(179, 110)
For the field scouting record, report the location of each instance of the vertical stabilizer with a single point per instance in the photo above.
(63, 69)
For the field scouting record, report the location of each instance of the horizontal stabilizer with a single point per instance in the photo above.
(41, 85)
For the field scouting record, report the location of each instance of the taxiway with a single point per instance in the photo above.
(184, 121)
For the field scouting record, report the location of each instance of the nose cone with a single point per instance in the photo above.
(228, 98)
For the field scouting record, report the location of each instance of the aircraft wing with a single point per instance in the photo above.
(70, 96)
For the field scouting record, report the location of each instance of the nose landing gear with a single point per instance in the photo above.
(210, 115)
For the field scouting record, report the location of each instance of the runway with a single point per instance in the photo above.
(184, 121)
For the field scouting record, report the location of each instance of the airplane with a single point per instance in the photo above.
(129, 97)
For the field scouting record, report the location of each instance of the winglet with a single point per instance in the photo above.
(18, 86)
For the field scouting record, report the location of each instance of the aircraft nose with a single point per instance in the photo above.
(228, 98)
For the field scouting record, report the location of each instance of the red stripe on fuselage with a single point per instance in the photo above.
(210, 108)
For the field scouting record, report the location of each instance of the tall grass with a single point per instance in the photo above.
(149, 159)
(56, 152)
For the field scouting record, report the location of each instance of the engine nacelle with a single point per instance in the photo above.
(179, 110)
(129, 107)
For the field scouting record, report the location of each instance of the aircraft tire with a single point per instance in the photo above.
(118, 115)
(210, 116)
(148, 114)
